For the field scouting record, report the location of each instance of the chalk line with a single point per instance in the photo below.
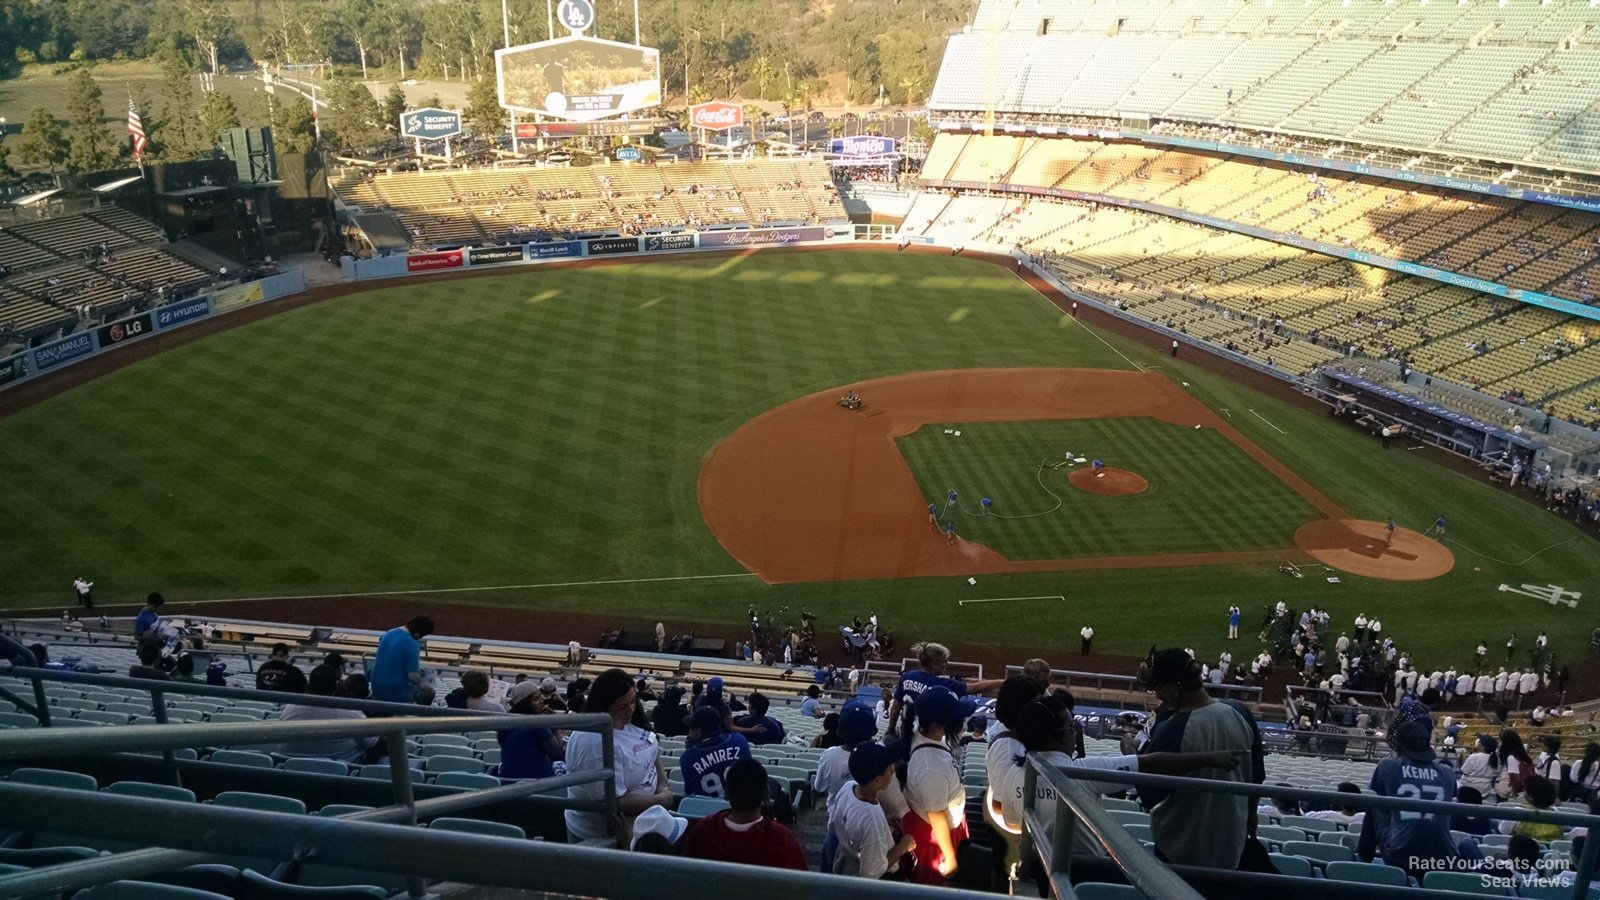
(1269, 424)
(1004, 599)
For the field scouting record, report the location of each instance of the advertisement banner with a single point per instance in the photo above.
(578, 78)
(48, 356)
(238, 295)
(428, 262)
(716, 115)
(430, 123)
(11, 368)
(629, 154)
(596, 129)
(488, 256)
(126, 330)
(758, 236)
(602, 246)
(862, 146)
(554, 250)
(654, 243)
(178, 313)
(1591, 204)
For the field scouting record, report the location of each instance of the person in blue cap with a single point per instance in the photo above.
(1099, 469)
(858, 822)
(950, 532)
(933, 516)
(1388, 531)
(933, 788)
(717, 699)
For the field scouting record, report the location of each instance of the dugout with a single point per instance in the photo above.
(1423, 419)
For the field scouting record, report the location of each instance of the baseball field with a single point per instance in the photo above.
(661, 439)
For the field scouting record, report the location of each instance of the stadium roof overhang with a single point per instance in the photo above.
(114, 185)
(35, 198)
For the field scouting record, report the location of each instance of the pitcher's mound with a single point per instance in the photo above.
(1111, 482)
(1359, 547)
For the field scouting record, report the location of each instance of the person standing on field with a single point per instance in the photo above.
(1087, 635)
(81, 586)
(1233, 623)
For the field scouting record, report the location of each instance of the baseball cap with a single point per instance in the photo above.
(857, 722)
(658, 820)
(1410, 740)
(940, 704)
(522, 691)
(713, 686)
(706, 719)
(1169, 666)
(547, 686)
(869, 760)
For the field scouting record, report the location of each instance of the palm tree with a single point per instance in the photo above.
(912, 85)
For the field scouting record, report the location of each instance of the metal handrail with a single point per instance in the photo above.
(1077, 805)
(350, 842)
(1059, 775)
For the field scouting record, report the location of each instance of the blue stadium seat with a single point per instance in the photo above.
(466, 780)
(104, 717)
(334, 810)
(1318, 852)
(1096, 890)
(1466, 882)
(263, 802)
(144, 890)
(456, 740)
(55, 778)
(696, 807)
(1298, 866)
(262, 887)
(152, 791)
(438, 764)
(315, 766)
(17, 720)
(478, 826)
(1369, 873)
(428, 751)
(34, 857)
(242, 758)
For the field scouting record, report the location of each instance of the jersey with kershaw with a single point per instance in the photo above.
(916, 681)
(705, 762)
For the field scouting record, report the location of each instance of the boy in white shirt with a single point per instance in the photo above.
(867, 847)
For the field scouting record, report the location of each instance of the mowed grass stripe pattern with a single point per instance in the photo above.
(545, 426)
(1205, 495)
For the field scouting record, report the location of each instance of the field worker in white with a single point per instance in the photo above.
(1087, 634)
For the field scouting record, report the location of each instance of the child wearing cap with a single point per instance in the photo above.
(856, 822)
(937, 819)
(857, 724)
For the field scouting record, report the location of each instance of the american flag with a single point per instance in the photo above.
(136, 129)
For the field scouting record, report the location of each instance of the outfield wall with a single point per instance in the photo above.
(75, 348)
(590, 248)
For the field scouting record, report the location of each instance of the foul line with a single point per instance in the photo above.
(1004, 599)
(467, 590)
(1269, 424)
(1041, 295)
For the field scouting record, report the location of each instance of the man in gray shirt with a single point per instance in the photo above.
(1193, 827)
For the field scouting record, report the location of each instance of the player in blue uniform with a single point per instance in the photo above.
(1388, 530)
(933, 516)
(1438, 528)
(709, 752)
(950, 532)
(1099, 469)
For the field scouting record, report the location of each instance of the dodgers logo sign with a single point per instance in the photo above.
(576, 15)
(430, 124)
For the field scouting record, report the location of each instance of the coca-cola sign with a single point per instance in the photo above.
(717, 115)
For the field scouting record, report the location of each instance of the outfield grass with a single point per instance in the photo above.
(547, 427)
(1204, 495)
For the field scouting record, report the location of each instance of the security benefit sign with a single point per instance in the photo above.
(430, 124)
(125, 330)
(654, 243)
(579, 78)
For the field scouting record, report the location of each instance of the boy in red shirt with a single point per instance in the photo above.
(742, 834)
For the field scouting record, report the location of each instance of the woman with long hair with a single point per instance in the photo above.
(1585, 774)
(1481, 769)
(640, 781)
(1515, 765)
